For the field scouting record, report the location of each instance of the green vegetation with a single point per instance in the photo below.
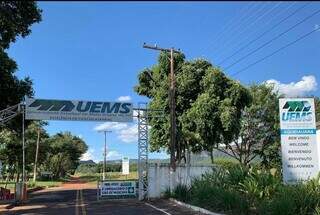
(93, 178)
(93, 168)
(241, 190)
(214, 112)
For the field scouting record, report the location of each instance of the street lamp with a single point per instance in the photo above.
(105, 154)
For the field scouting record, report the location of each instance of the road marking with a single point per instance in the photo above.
(77, 201)
(82, 203)
(158, 209)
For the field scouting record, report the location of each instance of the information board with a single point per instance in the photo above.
(300, 158)
(125, 166)
(117, 188)
(45, 109)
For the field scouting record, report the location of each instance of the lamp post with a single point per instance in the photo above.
(105, 154)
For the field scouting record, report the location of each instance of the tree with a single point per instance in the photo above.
(64, 155)
(10, 151)
(259, 134)
(37, 146)
(16, 17)
(214, 118)
(317, 107)
(153, 83)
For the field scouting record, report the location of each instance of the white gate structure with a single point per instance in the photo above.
(42, 109)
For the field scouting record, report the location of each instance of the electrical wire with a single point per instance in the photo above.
(273, 39)
(245, 29)
(264, 33)
(247, 21)
(276, 51)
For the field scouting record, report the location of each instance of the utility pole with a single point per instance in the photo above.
(172, 102)
(105, 155)
(36, 158)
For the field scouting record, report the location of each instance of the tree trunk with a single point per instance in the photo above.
(36, 158)
(211, 156)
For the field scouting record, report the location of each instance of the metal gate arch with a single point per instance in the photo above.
(143, 115)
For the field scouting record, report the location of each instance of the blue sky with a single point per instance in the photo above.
(93, 51)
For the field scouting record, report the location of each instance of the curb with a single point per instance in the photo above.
(192, 207)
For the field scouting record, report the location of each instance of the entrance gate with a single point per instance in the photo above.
(41, 109)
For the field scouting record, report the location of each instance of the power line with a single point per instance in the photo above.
(247, 21)
(262, 34)
(231, 22)
(245, 29)
(274, 17)
(278, 50)
(268, 42)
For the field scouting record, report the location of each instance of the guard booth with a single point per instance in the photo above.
(79, 110)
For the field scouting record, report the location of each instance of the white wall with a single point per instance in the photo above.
(160, 179)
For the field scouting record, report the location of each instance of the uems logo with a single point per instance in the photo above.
(297, 111)
(81, 106)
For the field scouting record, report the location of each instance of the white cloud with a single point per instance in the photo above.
(88, 155)
(317, 27)
(300, 88)
(114, 155)
(129, 134)
(111, 126)
(124, 99)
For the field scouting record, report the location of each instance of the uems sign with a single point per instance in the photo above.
(44, 109)
(298, 139)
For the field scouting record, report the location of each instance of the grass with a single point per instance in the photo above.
(249, 191)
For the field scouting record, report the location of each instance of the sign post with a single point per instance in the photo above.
(125, 166)
(116, 189)
(300, 158)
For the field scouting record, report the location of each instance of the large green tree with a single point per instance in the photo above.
(197, 81)
(259, 135)
(154, 83)
(214, 118)
(16, 18)
(64, 154)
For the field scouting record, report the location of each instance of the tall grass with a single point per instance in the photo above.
(240, 190)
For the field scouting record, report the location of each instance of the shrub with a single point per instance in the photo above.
(181, 192)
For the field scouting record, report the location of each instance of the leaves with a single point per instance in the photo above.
(16, 17)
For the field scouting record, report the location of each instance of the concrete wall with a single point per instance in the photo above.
(160, 179)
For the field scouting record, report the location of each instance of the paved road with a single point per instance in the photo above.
(82, 201)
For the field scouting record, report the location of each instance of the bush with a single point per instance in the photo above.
(241, 190)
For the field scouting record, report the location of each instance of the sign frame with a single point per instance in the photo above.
(300, 157)
(117, 189)
(78, 110)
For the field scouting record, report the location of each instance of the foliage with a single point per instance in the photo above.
(215, 115)
(97, 168)
(243, 190)
(260, 127)
(16, 18)
(208, 104)
(64, 154)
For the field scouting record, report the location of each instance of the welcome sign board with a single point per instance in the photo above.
(118, 188)
(300, 159)
(44, 109)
